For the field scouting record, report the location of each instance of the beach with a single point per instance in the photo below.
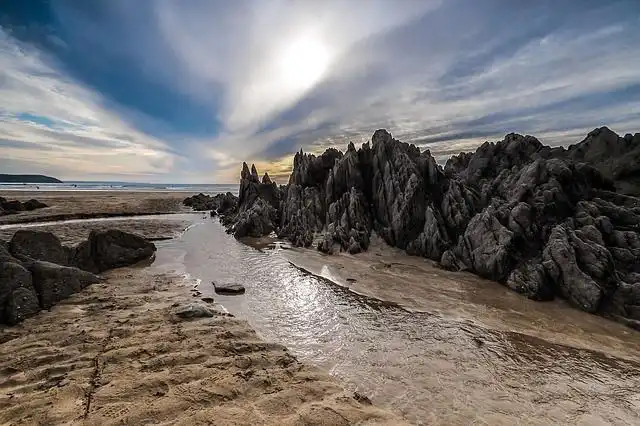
(116, 353)
(373, 338)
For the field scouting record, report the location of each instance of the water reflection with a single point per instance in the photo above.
(430, 367)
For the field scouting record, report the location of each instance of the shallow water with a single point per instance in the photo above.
(458, 356)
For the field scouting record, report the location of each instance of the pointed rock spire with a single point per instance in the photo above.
(245, 171)
(266, 179)
(254, 172)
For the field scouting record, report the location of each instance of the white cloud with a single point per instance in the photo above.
(49, 121)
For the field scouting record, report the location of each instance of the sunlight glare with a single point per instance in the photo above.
(303, 62)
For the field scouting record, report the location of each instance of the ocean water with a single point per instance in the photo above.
(213, 188)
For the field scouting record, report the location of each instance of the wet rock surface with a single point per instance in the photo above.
(37, 271)
(546, 222)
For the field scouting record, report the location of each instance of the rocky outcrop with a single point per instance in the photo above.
(36, 271)
(258, 209)
(15, 206)
(218, 204)
(545, 222)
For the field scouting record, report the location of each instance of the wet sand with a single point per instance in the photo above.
(116, 354)
(72, 232)
(65, 205)
(419, 285)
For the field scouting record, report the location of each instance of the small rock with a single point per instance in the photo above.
(228, 288)
(362, 399)
(207, 299)
(194, 310)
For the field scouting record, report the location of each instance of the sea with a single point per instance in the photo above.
(209, 188)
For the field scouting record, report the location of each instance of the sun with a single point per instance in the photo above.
(303, 62)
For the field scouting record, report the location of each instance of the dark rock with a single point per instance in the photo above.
(530, 279)
(111, 249)
(561, 264)
(16, 293)
(487, 246)
(38, 245)
(21, 304)
(13, 206)
(54, 283)
(227, 288)
(33, 205)
(543, 221)
(207, 299)
(220, 204)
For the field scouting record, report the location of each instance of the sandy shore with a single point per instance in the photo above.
(64, 205)
(116, 354)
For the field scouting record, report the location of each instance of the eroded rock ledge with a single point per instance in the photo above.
(37, 271)
(545, 222)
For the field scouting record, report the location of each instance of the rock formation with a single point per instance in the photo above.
(219, 204)
(37, 271)
(545, 222)
(15, 206)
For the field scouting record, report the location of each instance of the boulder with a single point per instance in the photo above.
(228, 288)
(54, 283)
(33, 205)
(16, 293)
(193, 310)
(38, 245)
(111, 249)
(21, 304)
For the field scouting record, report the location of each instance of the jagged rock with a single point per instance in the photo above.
(18, 299)
(433, 241)
(54, 283)
(487, 246)
(530, 279)
(255, 221)
(111, 249)
(543, 221)
(221, 204)
(37, 245)
(561, 264)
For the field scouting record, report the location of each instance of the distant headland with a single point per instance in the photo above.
(4, 178)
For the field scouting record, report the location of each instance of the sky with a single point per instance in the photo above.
(183, 91)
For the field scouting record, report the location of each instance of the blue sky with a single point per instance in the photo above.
(184, 90)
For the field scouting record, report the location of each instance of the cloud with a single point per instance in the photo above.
(49, 121)
(190, 90)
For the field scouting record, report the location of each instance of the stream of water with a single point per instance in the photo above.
(461, 360)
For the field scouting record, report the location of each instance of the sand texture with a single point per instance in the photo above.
(65, 205)
(153, 228)
(116, 353)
